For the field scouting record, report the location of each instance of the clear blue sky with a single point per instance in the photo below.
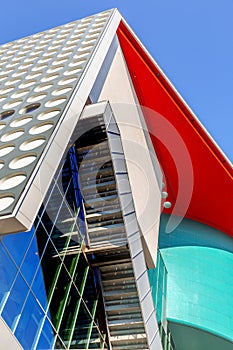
(192, 41)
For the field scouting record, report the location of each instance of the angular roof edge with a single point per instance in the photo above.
(124, 26)
(212, 192)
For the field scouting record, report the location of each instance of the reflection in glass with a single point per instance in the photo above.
(81, 330)
(46, 339)
(55, 301)
(31, 261)
(17, 244)
(14, 303)
(30, 323)
(7, 273)
(38, 288)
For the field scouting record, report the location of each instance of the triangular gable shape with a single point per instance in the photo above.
(198, 175)
(78, 87)
(45, 83)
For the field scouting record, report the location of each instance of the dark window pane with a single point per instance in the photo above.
(82, 329)
(97, 339)
(14, 303)
(66, 222)
(89, 294)
(51, 266)
(52, 208)
(42, 238)
(70, 314)
(60, 295)
(59, 344)
(80, 273)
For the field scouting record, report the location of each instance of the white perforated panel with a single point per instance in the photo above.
(38, 75)
(45, 80)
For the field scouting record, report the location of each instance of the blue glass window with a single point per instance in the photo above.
(46, 339)
(15, 301)
(30, 323)
(38, 288)
(31, 261)
(7, 273)
(17, 244)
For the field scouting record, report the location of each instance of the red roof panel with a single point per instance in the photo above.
(192, 163)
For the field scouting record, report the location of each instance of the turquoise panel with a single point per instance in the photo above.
(193, 233)
(200, 288)
(158, 282)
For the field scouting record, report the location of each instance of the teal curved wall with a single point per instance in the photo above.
(199, 301)
(193, 233)
(200, 288)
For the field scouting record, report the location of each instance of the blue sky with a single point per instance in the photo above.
(192, 41)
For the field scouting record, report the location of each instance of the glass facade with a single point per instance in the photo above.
(50, 294)
(158, 282)
(51, 290)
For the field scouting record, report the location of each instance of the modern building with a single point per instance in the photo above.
(115, 203)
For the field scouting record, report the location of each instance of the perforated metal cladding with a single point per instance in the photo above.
(38, 75)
